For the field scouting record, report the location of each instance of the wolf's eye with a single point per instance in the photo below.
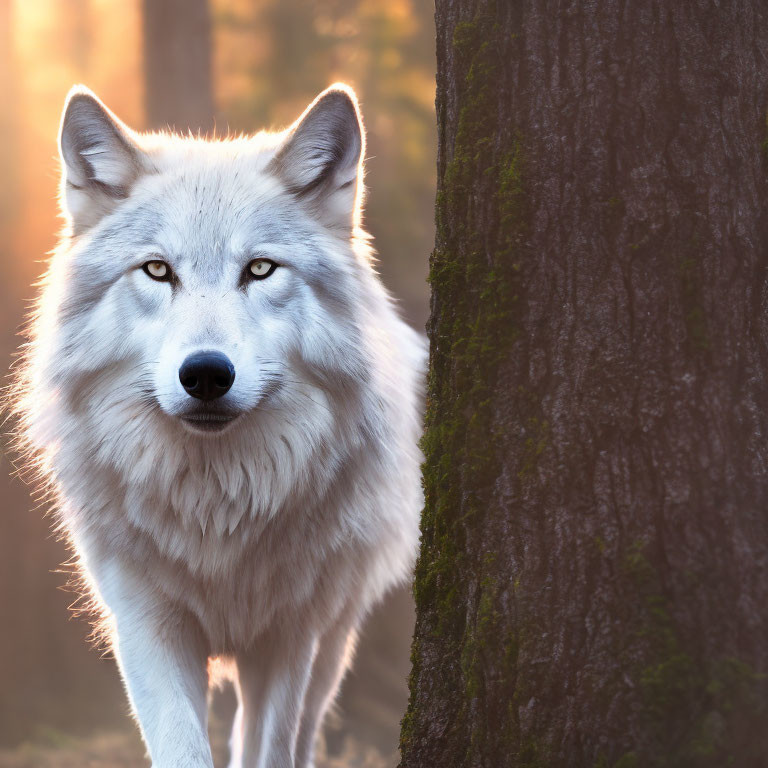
(258, 269)
(157, 270)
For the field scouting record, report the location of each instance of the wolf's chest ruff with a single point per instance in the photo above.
(282, 569)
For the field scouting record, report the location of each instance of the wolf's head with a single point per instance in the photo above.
(211, 300)
(220, 273)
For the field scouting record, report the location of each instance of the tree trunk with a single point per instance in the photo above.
(593, 581)
(177, 64)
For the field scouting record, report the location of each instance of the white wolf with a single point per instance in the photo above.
(226, 406)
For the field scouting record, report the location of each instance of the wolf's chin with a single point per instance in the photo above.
(208, 424)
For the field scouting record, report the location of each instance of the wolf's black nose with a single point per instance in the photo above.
(207, 375)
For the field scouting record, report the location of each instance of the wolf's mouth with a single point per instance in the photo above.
(208, 422)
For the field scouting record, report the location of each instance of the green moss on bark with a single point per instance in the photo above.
(691, 705)
(474, 273)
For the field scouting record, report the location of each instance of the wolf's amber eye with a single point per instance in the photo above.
(258, 269)
(157, 270)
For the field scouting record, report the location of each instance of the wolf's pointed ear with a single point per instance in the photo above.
(320, 161)
(100, 159)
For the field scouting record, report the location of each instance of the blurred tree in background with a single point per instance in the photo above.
(178, 88)
(238, 65)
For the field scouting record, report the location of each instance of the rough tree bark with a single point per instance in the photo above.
(593, 581)
(177, 64)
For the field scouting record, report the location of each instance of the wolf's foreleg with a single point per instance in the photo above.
(333, 657)
(162, 659)
(236, 735)
(272, 682)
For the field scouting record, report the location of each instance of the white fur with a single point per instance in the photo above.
(267, 542)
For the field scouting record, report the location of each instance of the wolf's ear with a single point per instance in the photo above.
(100, 159)
(320, 161)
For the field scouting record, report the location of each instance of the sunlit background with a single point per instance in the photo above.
(229, 66)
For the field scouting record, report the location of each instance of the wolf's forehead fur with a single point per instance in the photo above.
(204, 207)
